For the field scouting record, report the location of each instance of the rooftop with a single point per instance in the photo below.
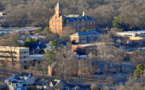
(37, 56)
(75, 18)
(92, 44)
(13, 47)
(86, 33)
(16, 29)
(2, 12)
(131, 32)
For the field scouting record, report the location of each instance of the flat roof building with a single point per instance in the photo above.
(133, 35)
(8, 53)
(85, 37)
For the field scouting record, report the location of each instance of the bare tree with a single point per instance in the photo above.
(65, 35)
(137, 57)
(66, 62)
(9, 42)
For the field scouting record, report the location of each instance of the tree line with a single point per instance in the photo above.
(128, 14)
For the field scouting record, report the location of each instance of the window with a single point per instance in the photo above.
(60, 24)
(74, 24)
(56, 24)
(94, 29)
(74, 29)
(24, 61)
(94, 22)
(88, 23)
(82, 24)
(57, 29)
(24, 56)
(60, 29)
(66, 24)
(33, 64)
(91, 22)
(25, 67)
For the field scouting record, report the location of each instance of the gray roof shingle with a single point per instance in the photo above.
(88, 33)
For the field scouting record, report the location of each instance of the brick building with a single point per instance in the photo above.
(85, 37)
(76, 22)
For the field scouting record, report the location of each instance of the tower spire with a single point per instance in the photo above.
(58, 4)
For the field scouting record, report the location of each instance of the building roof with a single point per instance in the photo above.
(131, 32)
(92, 44)
(89, 44)
(13, 77)
(8, 47)
(2, 12)
(37, 56)
(39, 45)
(88, 33)
(75, 18)
(16, 29)
(25, 74)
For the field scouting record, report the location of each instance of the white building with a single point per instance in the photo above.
(17, 53)
(137, 33)
(16, 82)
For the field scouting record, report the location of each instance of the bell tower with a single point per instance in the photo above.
(58, 9)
